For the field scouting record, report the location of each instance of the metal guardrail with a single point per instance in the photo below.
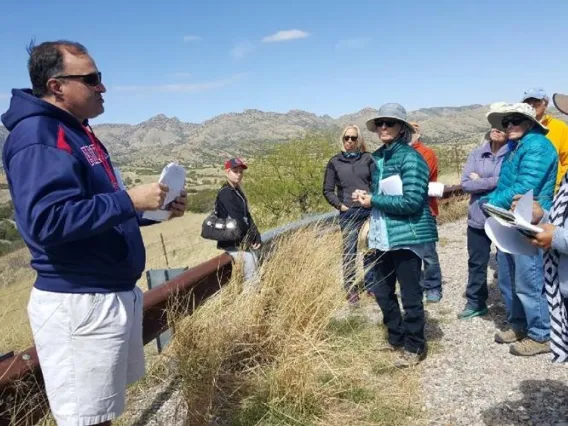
(20, 374)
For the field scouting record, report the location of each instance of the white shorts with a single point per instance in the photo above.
(89, 348)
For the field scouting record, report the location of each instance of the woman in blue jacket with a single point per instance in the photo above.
(531, 163)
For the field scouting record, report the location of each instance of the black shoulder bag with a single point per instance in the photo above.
(218, 229)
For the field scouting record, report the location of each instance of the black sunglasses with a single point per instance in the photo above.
(93, 79)
(353, 138)
(515, 121)
(389, 123)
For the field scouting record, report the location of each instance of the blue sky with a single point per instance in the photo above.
(195, 60)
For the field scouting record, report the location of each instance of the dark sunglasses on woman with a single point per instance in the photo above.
(389, 123)
(353, 138)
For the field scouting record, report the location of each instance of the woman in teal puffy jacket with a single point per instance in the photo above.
(401, 227)
(530, 164)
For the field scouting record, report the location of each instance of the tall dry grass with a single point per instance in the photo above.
(290, 353)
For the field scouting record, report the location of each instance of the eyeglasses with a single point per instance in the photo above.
(515, 121)
(93, 79)
(388, 123)
(353, 138)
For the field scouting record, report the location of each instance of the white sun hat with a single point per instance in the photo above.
(500, 110)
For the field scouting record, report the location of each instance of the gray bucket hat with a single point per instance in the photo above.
(390, 111)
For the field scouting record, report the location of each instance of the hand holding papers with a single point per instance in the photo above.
(509, 230)
(173, 175)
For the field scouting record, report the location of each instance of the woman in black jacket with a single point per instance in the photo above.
(346, 172)
(231, 201)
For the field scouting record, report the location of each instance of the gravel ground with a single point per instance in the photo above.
(470, 379)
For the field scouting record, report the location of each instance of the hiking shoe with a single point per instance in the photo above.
(468, 313)
(433, 296)
(509, 336)
(387, 347)
(408, 359)
(529, 347)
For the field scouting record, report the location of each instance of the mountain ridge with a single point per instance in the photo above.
(251, 131)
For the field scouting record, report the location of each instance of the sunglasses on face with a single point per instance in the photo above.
(353, 138)
(388, 123)
(93, 79)
(515, 121)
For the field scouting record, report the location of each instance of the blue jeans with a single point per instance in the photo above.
(350, 223)
(521, 281)
(431, 276)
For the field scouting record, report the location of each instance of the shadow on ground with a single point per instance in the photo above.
(543, 402)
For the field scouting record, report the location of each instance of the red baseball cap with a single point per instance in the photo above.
(235, 162)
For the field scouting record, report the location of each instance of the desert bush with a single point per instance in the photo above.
(286, 183)
(201, 201)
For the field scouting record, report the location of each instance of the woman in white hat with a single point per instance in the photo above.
(400, 230)
(531, 164)
(347, 171)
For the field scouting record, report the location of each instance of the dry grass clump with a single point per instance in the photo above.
(452, 209)
(291, 353)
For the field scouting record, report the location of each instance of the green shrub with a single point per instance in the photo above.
(8, 231)
(286, 183)
(202, 201)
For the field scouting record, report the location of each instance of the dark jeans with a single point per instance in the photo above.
(479, 249)
(350, 223)
(432, 274)
(404, 266)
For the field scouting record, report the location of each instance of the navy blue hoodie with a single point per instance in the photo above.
(81, 228)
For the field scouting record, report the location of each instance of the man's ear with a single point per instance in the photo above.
(55, 87)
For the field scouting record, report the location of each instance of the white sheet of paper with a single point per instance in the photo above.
(172, 175)
(391, 185)
(523, 212)
(508, 239)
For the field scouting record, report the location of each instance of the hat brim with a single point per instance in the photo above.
(560, 102)
(370, 124)
(495, 119)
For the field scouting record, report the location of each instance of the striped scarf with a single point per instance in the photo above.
(558, 314)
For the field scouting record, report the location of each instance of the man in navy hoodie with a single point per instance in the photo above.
(82, 228)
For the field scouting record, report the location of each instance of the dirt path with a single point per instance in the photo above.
(469, 379)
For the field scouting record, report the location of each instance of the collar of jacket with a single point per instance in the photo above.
(486, 150)
(391, 149)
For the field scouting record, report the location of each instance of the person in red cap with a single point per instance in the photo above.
(232, 202)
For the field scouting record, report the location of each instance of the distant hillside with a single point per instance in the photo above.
(162, 138)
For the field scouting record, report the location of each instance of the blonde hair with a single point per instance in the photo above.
(361, 145)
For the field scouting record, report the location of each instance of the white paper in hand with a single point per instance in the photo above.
(507, 238)
(172, 175)
(391, 185)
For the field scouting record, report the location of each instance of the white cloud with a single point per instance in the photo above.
(353, 43)
(240, 50)
(182, 88)
(285, 36)
(4, 96)
(181, 75)
(190, 38)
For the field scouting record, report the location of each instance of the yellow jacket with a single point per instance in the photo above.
(558, 135)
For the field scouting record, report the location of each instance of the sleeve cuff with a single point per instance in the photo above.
(125, 204)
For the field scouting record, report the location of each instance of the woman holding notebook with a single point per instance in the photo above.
(400, 230)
